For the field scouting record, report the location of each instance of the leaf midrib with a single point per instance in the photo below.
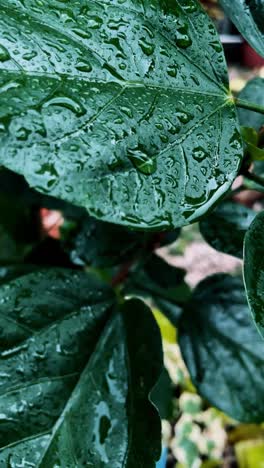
(56, 426)
(21, 344)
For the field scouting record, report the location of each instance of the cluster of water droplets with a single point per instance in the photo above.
(107, 96)
(49, 333)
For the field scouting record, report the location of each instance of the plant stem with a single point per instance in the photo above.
(249, 105)
(122, 274)
(254, 177)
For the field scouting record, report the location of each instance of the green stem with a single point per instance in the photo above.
(254, 177)
(249, 105)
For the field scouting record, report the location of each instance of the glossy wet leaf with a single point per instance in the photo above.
(100, 244)
(248, 17)
(222, 348)
(122, 108)
(225, 228)
(252, 92)
(11, 272)
(162, 395)
(254, 270)
(163, 283)
(74, 378)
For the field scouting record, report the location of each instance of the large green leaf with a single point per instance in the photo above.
(252, 92)
(225, 228)
(120, 107)
(222, 348)
(248, 16)
(162, 282)
(75, 376)
(254, 269)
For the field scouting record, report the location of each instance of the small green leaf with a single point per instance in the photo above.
(100, 244)
(256, 154)
(254, 268)
(252, 92)
(163, 283)
(224, 229)
(250, 135)
(76, 376)
(251, 139)
(248, 17)
(122, 108)
(222, 349)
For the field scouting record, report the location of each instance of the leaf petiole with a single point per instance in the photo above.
(249, 105)
(254, 177)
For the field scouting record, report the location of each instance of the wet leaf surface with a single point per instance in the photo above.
(248, 17)
(225, 228)
(122, 108)
(67, 362)
(254, 270)
(222, 348)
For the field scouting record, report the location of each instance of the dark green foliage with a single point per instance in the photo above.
(253, 270)
(66, 360)
(163, 283)
(225, 228)
(122, 108)
(222, 348)
(118, 115)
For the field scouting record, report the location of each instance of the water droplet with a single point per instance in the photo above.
(147, 47)
(184, 117)
(182, 39)
(82, 33)
(199, 153)
(127, 111)
(4, 54)
(172, 70)
(190, 7)
(235, 141)
(216, 46)
(67, 102)
(29, 55)
(104, 427)
(142, 161)
(83, 66)
(94, 22)
(22, 134)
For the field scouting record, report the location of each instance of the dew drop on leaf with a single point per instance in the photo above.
(4, 54)
(172, 70)
(83, 66)
(67, 102)
(147, 47)
(142, 161)
(199, 153)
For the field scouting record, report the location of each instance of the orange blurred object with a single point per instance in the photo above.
(51, 222)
